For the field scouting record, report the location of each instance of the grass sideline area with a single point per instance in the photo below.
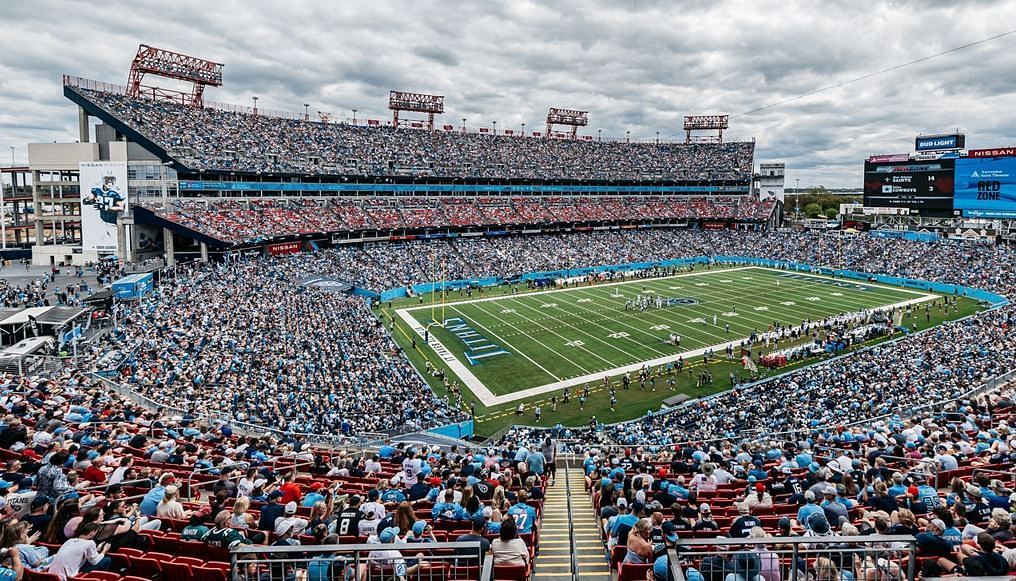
(575, 336)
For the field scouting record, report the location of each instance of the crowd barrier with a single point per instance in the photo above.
(459, 431)
(797, 558)
(369, 562)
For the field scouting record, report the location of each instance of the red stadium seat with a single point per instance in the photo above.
(100, 576)
(208, 574)
(633, 571)
(511, 572)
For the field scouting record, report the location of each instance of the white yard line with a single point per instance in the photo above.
(489, 399)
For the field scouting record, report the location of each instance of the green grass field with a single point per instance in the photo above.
(506, 348)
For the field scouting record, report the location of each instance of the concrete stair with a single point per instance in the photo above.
(554, 561)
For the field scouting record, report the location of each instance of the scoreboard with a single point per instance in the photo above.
(923, 187)
(986, 187)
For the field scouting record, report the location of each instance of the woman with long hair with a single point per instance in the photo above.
(67, 510)
(957, 492)
(473, 507)
(881, 500)
(405, 517)
(16, 535)
(241, 519)
(640, 544)
(850, 487)
(826, 570)
(508, 548)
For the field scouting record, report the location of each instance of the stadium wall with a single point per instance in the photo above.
(459, 431)
(992, 299)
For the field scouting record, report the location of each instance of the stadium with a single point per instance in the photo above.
(264, 343)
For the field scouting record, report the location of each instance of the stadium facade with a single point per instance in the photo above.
(217, 178)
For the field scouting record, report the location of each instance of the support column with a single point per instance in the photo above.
(36, 196)
(167, 244)
(122, 246)
(83, 136)
(204, 252)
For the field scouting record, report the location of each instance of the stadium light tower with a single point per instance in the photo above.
(705, 123)
(415, 102)
(599, 137)
(463, 124)
(523, 129)
(172, 65)
(255, 97)
(354, 116)
(495, 127)
(568, 117)
(797, 199)
(306, 112)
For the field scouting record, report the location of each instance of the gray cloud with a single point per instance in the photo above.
(637, 65)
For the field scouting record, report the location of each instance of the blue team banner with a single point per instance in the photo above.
(986, 187)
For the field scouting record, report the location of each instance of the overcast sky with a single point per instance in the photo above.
(634, 65)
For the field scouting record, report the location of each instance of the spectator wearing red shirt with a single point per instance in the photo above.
(291, 491)
(93, 474)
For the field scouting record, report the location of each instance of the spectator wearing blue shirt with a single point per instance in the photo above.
(449, 509)
(805, 512)
(536, 462)
(313, 496)
(523, 514)
(150, 503)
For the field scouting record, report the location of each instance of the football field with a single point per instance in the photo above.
(507, 347)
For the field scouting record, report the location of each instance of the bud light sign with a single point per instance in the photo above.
(940, 142)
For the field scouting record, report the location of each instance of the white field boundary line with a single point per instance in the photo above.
(576, 288)
(489, 399)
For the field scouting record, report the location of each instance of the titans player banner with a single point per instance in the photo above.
(103, 199)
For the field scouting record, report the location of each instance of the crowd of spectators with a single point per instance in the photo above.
(942, 477)
(216, 139)
(238, 221)
(92, 482)
(243, 341)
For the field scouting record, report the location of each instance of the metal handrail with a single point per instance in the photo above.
(305, 552)
(796, 542)
(121, 483)
(190, 480)
(915, 461)
(571, 523)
